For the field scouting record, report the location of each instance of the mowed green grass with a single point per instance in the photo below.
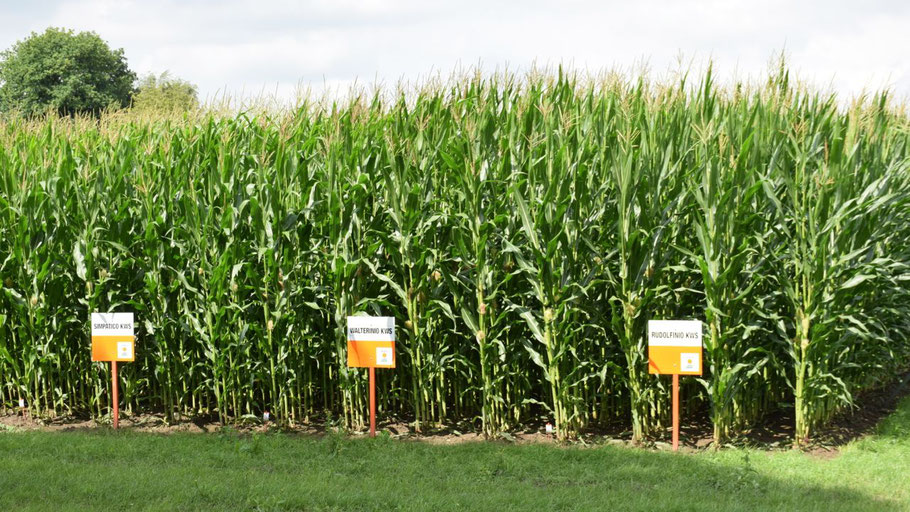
(130, 471)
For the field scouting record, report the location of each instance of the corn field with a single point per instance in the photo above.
(521, 228)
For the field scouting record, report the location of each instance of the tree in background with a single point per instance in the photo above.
(164, 93)
(65, 72)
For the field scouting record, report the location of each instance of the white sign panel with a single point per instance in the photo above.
(674, 333)
(112, 324)
(371, 328)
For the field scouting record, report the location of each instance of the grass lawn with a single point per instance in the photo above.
(102, 469)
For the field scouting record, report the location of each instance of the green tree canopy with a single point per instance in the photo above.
(163, 93)
(63, 71)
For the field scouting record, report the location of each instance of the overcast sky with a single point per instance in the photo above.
(250, 47)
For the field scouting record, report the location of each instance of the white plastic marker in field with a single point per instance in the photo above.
(371, 344)
(113, 339)
(674, 347)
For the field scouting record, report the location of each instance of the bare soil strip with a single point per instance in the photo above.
(775, 432)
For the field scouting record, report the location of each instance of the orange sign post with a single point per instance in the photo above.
(675, 347)
(113, 339)
(371, 344)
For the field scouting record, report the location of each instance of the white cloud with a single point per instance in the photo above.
(247, 47)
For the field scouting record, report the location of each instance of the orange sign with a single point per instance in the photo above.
(113, 348)
(112, 337)
(371, 342)
(376, 354)
(675, 347)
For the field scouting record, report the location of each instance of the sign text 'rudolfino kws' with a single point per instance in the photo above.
(113, 337)
(371, 341)
(675, 346)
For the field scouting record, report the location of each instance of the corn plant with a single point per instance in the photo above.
(522, 229)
